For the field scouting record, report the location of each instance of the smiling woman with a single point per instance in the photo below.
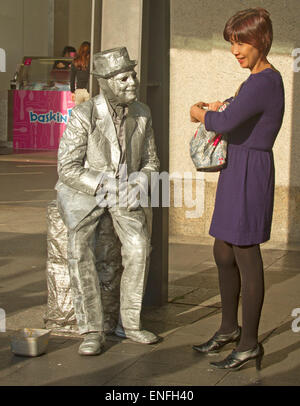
(245, 194)
(251, 38)
(251, 28)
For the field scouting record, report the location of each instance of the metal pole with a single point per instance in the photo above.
(92, 47)
(51, 28)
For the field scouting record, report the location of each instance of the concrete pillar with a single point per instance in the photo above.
(79, 22)
(121, 26)
(61, 26)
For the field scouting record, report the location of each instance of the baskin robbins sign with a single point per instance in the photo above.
(56, 117)
(40, 118)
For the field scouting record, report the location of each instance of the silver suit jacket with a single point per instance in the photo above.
(89, 147)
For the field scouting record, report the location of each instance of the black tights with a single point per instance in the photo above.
(240, 267)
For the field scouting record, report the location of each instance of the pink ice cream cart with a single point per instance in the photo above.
(42, 103)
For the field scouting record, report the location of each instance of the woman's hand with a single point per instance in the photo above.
(197, 113)
(215, 105)
(60, 65)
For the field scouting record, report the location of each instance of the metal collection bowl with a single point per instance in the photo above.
(30, 342)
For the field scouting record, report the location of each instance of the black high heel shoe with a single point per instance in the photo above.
(218, 341)
(237, 359)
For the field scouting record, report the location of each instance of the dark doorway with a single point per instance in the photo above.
(155, 93)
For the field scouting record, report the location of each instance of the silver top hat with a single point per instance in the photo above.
(111, 62)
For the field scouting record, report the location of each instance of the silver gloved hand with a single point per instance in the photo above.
(137, 191)
(106, 193)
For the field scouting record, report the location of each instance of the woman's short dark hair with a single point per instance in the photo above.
(252, 26)
(67, 49)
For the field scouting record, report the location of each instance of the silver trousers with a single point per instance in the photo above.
(133, 232)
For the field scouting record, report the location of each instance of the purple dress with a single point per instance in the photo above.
(245, 192)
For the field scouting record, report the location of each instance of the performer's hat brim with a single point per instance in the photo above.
(111, 62)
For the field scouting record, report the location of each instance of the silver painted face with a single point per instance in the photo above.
(124, 86)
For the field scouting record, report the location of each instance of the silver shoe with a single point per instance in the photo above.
(92, 344)
(139, 336)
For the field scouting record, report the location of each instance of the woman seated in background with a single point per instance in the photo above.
(80, 74)
(68, 52)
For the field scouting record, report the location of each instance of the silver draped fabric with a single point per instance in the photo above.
(59, 315)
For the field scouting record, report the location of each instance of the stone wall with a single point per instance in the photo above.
(25, 30)
(121, 25)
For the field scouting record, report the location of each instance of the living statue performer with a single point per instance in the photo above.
(107, 138)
